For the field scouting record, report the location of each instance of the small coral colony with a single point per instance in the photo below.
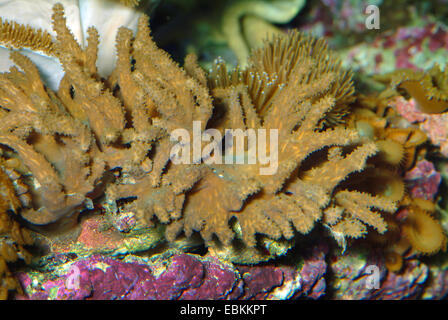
(103, 145)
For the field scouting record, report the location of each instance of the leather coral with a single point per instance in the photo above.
(61, 142)
(113, 137)
(291, 86)
(13, 238)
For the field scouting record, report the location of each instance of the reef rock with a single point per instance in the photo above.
(172, 276)
(354, 278)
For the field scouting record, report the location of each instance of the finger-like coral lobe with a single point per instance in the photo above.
(15, 35)
(112, 137)
(13, 238)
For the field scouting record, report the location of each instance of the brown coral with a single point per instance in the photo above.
(424, 233)
(87, 139)
(13, 238)
(267, 96)
(429, 89)
(374, 119)
(130, 3)
(58, 137)
(413, 227)
(416, 231)
(15, 35)
(271, 205)
(270, 67)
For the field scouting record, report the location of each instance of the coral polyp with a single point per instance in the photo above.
(423, 232)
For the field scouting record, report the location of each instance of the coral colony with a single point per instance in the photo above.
(246, 164)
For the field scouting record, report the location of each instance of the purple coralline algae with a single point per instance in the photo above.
(182, 276)
(437, 287)
(423, 180)
(365, 277)
(98, 277)
(407, 285)
(408, 41)
(434, 125)
(349, 15)
(417, 48)
(286, 282)
(177, 276)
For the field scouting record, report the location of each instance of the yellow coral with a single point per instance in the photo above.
(429, 89)
(17, 36)
(86, 140)
(13, 238)
(130, 3)
(270, 67)
(423, 232)
(375, 121)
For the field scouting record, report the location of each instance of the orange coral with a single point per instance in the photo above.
(13, 238)
(270, 67)
(270, 98)
(375, 120)
(15, 35)
(418, 232)
(423, 232)
(429, 89)
(130, 3)
(394, 261)
(86, 140)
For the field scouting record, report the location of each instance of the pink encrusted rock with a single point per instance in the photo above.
(176, 276)
(434, 125)
(423, 180)
(408, 109)
(437, 287)
(219, 281)
(287, 282)
(353, 280)
(313, 271)
(414, 40)
(183, 276)
(407, 285)
(410, 47)
(417, 43)
(260, 280)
